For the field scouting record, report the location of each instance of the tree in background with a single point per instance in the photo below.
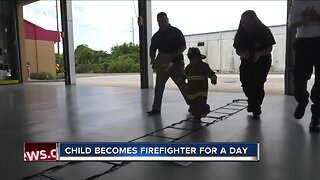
(100, 56)
(83, 54)
(132, 50)
(123, 59)
(88, 60)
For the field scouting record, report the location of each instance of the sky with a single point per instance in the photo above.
(103, 24)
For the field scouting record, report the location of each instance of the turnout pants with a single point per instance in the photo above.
(307, 58)
(199, 107)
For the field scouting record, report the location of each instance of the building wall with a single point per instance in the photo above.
(23, 61)
(46, 59)
(40, 55)
(31, 55)
(221, 56)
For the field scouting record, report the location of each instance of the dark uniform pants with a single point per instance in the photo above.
(307, 54)
(252, 77)
(177, 74)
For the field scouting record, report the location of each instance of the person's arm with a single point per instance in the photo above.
(243, 54)
(239, 53)
(179, 51)
(152, 50)
(296, 20)
(181, 42)
(212, 75)
(152, 54)
(300, 22)
(296, 24)
(263, 52)
(313, 15)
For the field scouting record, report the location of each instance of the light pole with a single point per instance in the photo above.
(132, 26)
(58, 31)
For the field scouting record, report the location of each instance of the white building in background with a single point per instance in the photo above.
(221, 55)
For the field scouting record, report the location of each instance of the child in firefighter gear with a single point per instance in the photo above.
(198, 73)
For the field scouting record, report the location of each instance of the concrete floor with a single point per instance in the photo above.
(56, 113)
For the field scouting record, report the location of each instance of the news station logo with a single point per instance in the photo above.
(40, 152)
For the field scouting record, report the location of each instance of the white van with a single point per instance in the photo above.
(5, 71)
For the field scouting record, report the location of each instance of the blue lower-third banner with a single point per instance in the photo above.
(158, 152)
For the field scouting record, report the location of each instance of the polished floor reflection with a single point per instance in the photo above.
(57, 113)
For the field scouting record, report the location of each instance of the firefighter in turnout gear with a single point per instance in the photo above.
(198, 73)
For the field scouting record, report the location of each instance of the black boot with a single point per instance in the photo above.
(299, 112)
(153, 112)
(256, 115)
(256, 112)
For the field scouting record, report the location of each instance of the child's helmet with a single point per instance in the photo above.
(195, 52)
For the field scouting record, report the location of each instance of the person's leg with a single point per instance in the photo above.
(161, 79)
(257, 98)
(194, 106)
(199, 107)
(205, 108)
(315, 98)
(177, 74)
(246, 82)
(315, 92)
(261, 70)
(302, 72)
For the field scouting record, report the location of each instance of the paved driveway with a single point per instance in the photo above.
(226, 82)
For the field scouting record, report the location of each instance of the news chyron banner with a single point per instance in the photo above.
(141, 152)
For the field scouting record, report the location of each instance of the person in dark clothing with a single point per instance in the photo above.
(170, 43)
(198, 73)
(253, 43)
(305, 17)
